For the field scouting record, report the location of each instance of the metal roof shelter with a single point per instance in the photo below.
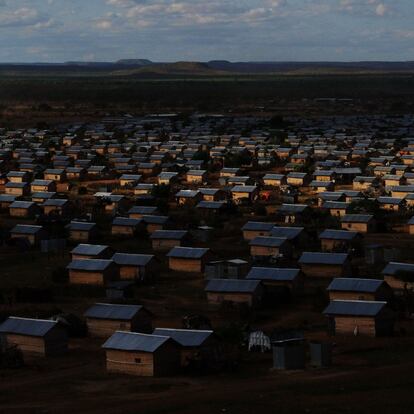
(89, 249)
(393, 268)
(354, 308)
(143, 210)
(112, 311)
(292, 208)
(26, 229)
(345, 284)
(356, 218)
(289, 233)
(27, 326)
(232, 285)
(268, 241)
(89, 265)
(185, 337)
(258, 226)
(126, 221)
(323, 258)
(273, 273)
(169, 234)
(187, 252)
(132, 341)
(338, 235)
(129, 259)
(81, 225)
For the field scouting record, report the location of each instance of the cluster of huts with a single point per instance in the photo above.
(323, 194)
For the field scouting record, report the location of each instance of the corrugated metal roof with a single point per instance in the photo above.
(272, 273)
(89, 249)
(258, 226)
(128, 259)
(26, 229)
(187, 193)
(142, 210)
(111, 311)
(292, 208)
(289, 233)
(22, 204)
(268, 241)
(232, 285)
(187, 252)
(356, 218)
(185, 337)
(155, 219)
(168, 234)
(354, 308)
(335, 205)
(211, 204)
(26, 326)
(393, 268)
(89, 265)
(81, 225)
(244, 189)
(323, 258)
(338, 234)
(125, 221)
(355, 285)
(132, 341)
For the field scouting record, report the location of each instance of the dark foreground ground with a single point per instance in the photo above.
(377, 377)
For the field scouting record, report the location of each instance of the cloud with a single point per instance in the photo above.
(381, 9)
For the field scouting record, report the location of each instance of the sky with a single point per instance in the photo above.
(202, 30)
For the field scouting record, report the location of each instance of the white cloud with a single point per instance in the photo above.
(381, 9)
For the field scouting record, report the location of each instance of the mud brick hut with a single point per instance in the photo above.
(42, 185)
(81, 231)
(359, 317)
(18, 176)
(142, 355)
(188, 197)
(276, 279)
(139, 267)
(244, 192)
(270, 247)
(124, 226)
(274, 180)
(137, 212)
(188, 259)
(55, 174)
(103, 319)
(153, 223)
(359, 289)
(92, 272)
(91, 251)
(56, 206)
(22, 209)
(326, 266)
(34, 234)
(195, 345)
(364, 223)
(167, 239)
(339, 240)
(292, 213)
(249, 292)
(17, 189)
(35, 336)
(253, 229)
(400, 276)
(336, 208)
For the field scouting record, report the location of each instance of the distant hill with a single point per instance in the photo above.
(178, 68)
(145, 67)
(310, 67)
